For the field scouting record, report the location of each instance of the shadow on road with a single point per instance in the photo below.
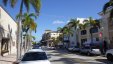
(104, 61)
(74, 60)
(68, 60)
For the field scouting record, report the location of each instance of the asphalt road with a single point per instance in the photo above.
(65, 57)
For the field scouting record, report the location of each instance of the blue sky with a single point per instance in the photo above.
(56, 13)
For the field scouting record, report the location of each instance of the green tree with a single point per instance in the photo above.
(59, 29)
(27, 3)
(74, 23)
(28, 22)
(67, 31)
(92, 24)
(106, 6)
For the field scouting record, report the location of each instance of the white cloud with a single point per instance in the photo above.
(68, 21)
(58, 22)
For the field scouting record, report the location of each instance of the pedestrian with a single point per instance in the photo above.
(101, 47)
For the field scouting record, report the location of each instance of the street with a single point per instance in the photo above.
(65, 57)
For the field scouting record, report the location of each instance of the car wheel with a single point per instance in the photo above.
(109, 57)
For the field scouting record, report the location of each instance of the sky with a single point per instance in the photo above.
(57, 13)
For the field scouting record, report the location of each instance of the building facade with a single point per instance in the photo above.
(8, 30)
(107, 28)
(81, 36)
(48, 37)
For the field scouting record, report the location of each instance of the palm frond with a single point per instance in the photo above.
(5, 2)
(33, 15)
(18, 16)
(106, 6)
(13, 2)
(27, 4)
(36, 5)
(21, 7)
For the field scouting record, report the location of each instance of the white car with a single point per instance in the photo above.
(109, 55)
(35, 56)
(89, 51)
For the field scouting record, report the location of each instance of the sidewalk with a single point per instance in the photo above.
(9, 59)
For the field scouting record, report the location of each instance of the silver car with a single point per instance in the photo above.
(89, 51)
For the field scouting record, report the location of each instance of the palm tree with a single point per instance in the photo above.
(27, 3)
(93, 24)
(28, 22)
(74, 23)
(34, 3)
(59, 29)
(67, 32)
(108, 5)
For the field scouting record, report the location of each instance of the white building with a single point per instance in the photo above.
(107, 27)
(48, 37)
(8, 29)
(81, 36)
(74, 39)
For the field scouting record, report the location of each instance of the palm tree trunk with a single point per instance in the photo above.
(30, 43)
(18, 40)
(91, 35)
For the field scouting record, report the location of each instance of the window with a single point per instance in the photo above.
(83, 32)
(97, 39)
(94, 30)
(83, 40)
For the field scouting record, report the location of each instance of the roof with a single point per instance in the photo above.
(7, 12)
(35, 50)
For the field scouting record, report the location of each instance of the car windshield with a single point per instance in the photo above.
(32, 56)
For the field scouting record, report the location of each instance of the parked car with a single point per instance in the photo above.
(36, 46)
(109, 55)
(76, 49)
(53, 48)
(89, 51)
(70, 48)
(34, 56)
